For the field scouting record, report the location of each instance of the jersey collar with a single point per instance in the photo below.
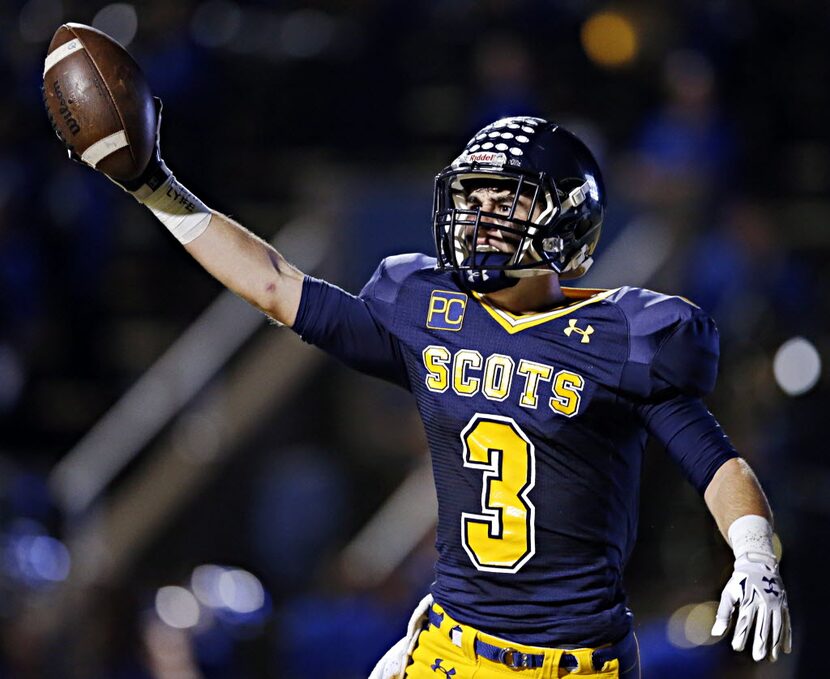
(514, 323)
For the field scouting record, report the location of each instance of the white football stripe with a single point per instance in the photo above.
(103, 147)
(61, 53)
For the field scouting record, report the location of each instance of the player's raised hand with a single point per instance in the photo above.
(155, 173)
(99, 102)
(101, 107)
(756, 591)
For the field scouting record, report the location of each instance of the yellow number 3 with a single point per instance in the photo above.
(502, 538)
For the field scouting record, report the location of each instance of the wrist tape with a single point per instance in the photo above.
(751, 535)
(184, 215)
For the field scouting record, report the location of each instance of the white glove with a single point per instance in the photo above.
(756, 588)
(393, 663)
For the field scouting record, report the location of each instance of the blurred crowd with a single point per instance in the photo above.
(709, 119)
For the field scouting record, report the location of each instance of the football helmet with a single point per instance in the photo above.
(554, 228)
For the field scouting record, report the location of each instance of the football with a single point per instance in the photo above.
(99, 102)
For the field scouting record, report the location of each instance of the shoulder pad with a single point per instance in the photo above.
(673, 344)
(391, 274)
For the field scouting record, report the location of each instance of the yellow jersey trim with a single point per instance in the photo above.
(514, 323)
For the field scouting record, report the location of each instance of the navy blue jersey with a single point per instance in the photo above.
(536, 424)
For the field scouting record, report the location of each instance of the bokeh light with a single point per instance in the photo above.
(177, 607)
(205, 584)
(232, 589)
(35, 558)
(241, 591)
(118, 20)
(610, 39)
(690, 625)
(796, 366)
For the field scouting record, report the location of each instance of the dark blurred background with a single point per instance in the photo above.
(187, 491)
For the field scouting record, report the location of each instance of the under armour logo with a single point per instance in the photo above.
(473, 276)
(586, 334)
(772, 582)
(436, 666)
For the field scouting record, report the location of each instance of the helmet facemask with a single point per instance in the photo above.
(459, 224)
(515, 221)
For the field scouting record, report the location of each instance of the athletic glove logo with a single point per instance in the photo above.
(773, 583)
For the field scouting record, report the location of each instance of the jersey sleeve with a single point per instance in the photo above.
(673, 346)
(359, 330)
(691, 436)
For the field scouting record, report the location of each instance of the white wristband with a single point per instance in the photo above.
(184, 215)
(751, 534)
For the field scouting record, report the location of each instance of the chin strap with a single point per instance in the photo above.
(579, 264)
(576, 197)
(529, 273)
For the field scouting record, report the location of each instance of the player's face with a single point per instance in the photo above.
(495, 201)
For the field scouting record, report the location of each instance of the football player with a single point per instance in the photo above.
(537, 400)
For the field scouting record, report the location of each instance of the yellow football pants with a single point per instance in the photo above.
(437, 657)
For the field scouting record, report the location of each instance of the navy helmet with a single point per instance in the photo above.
(531, 157)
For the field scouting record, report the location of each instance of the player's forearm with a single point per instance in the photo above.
(755, 589)
(250, 267)
(237, 258)
(733, 492)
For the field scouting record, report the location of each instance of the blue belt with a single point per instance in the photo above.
(517, 660)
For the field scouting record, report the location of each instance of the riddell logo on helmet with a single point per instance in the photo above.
(485, 157)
